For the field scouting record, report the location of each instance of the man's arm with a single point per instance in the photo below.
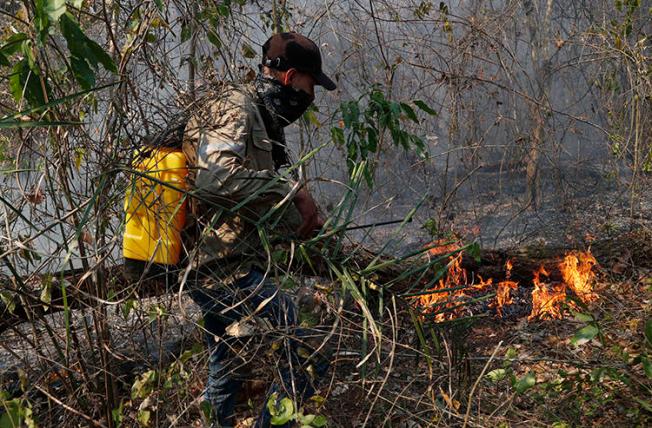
(306, 206)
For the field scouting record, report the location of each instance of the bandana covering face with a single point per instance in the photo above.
(284, 103)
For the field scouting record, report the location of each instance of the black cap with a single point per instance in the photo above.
(292, 50)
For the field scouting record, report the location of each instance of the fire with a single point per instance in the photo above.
(503, 296)
(446, 299)
(442, 301)
(441, 247)
(577, 273)
(503, 292)
(546, 301)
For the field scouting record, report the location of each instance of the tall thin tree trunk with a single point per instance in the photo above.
(538, 17)
(534, 153)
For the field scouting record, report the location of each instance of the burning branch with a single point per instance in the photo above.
(448, 297)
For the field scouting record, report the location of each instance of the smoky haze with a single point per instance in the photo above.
(531, 133)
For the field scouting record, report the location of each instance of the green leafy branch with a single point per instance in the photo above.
(284, 411)
(27, 79)
(362, 128)
(521, 385)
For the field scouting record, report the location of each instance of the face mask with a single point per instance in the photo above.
(284, 103)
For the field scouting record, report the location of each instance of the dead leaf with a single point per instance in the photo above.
(87, 237)
(242, 328)
(450, 402)
(35, 197)
(250, 76)
(619, 268)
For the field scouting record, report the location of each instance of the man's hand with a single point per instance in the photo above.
(312, 222)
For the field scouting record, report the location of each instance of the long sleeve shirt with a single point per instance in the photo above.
(239, 192)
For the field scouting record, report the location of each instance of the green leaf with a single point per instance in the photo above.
(585, 335)
(101, 56)
(409, 111)
(282, 412)
(306, 419)
(214, 38)
(25, 83)
(3, 60)
(7, 299)
(646, 404)
(79, 153)
(337, 134)
(271, 404)
(423, 106)
(46, 291)
(223, 9)
(29, 417)
(41, 19)
(143, 417)
(55, 8)
(12, 414)
(647, 366)
(648, 331)
(497, 375)
(372, 139)
(150, 37)
(525, 383)
(16, 80)
(583, 317)
(82, 47)
(13, 44)
(159, 5)
(82, 72)
(319, 421)
(117, 414)
(206, 409)
(186, 32)
(350, 113)
(127, 307)
(318, 400)
(395, 109)
(248, 51)
(474, 251)
(26, 50)
(311, 117)
(143, 386)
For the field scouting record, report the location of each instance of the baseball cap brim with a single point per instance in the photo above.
(324, 81)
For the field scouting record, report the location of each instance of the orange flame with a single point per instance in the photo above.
(508, 268)
(442, 248)
(503, 295)
(482, 284)
(577, 273)
(503, 292)
(444, 302)
(548, 299)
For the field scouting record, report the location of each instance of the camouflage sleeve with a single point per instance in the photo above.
(223, 172)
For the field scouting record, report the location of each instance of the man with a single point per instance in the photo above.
(237, 143)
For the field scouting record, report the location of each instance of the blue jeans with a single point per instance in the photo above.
(217, 307)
